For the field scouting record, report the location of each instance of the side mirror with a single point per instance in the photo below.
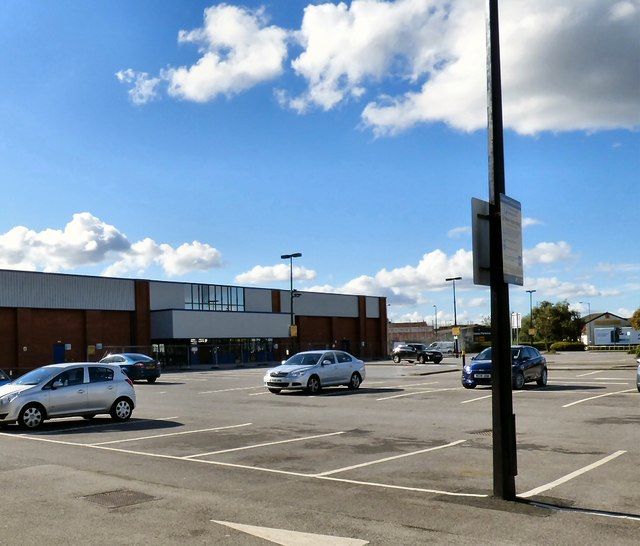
(56, 384)
(325, 362)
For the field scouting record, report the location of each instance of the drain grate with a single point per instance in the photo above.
(119, 498)
(484, 433)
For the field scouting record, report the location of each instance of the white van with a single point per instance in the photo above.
(445, 347)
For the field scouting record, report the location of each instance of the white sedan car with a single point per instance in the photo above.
(312, 370)
(82, 389)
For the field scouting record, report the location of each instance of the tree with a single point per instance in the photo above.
(635, 320)
(554, 322)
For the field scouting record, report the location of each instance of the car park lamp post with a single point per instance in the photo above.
(455, 314)
(290, 257)
(531, 330)
(589, 315)
(435, 321)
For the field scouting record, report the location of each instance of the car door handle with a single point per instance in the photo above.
(81, 391)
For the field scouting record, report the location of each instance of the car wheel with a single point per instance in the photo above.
(518, 381)
(31, 416)
(313, 385)
(467, 386)
(437, 360)
(121, 409)
(421, 359)
(354, 382)
(542, 380)
(151, 379)
(396, 359)
(274, 391)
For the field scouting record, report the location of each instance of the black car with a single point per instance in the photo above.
(416, 352)
(527, 364)
(135, 365)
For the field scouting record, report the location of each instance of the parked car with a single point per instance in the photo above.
(65, 390)
(445, 347)
(135, 365)
(638, 376)
(527, 364)
(4, 378)
(416, 352)
(312, 370)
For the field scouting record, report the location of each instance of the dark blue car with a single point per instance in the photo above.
(4, 378)
(527, 364)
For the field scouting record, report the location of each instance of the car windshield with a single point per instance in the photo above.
(304, 359)
(3, 376)
(35, 376)
(137, 357)
(486, 353)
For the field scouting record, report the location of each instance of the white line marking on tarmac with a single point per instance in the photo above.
(234, 389)
(589, 373)
(245, 467)
(264, 445)
(169, 434)
(414, 393)
(386, 459)
(570, 476)
(595, 397)
(292, 538)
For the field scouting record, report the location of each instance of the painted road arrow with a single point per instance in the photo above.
(292, 538)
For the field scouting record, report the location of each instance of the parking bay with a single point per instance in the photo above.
(407, 430)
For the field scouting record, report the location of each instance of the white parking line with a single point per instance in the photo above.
(570, 476)
(393, 458)
(599, 396)
(488, 396)
(168, 434)
(247, 467)
(589, 373)
(230, 390)
(263, 445)
(414, 393)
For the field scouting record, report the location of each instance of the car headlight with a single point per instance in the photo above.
(467, 369)
(8, 399)
(297, 374)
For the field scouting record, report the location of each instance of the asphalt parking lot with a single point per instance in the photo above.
(211, 457)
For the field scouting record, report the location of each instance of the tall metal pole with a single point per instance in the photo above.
(435, 321)
(455, 314)
(530, 315)
(504, 429)
(290, 257)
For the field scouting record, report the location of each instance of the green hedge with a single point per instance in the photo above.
(567, 346)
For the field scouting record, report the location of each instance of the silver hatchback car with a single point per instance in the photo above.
(312, 370)
(64, 390)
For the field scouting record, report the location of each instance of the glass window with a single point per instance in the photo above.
(343, 357)
(98, 374)
(330, 357)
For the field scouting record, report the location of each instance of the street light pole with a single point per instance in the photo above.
(530, 292)
(435, 321)
(588, 327)
(290, 257)
(455, 314)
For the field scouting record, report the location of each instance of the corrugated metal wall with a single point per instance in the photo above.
(25, 289)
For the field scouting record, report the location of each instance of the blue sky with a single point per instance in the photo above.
(199, 141)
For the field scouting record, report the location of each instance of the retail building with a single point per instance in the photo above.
(50, 317)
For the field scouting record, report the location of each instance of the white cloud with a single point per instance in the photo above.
(237, 51)
(88, 241)
(144, 88)
(552, 287)
(566, 65)
(526, 222)
(546, 253)
(85, 240)
(458, 232)
(261, 274)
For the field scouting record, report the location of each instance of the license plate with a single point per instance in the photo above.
(483, 376)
